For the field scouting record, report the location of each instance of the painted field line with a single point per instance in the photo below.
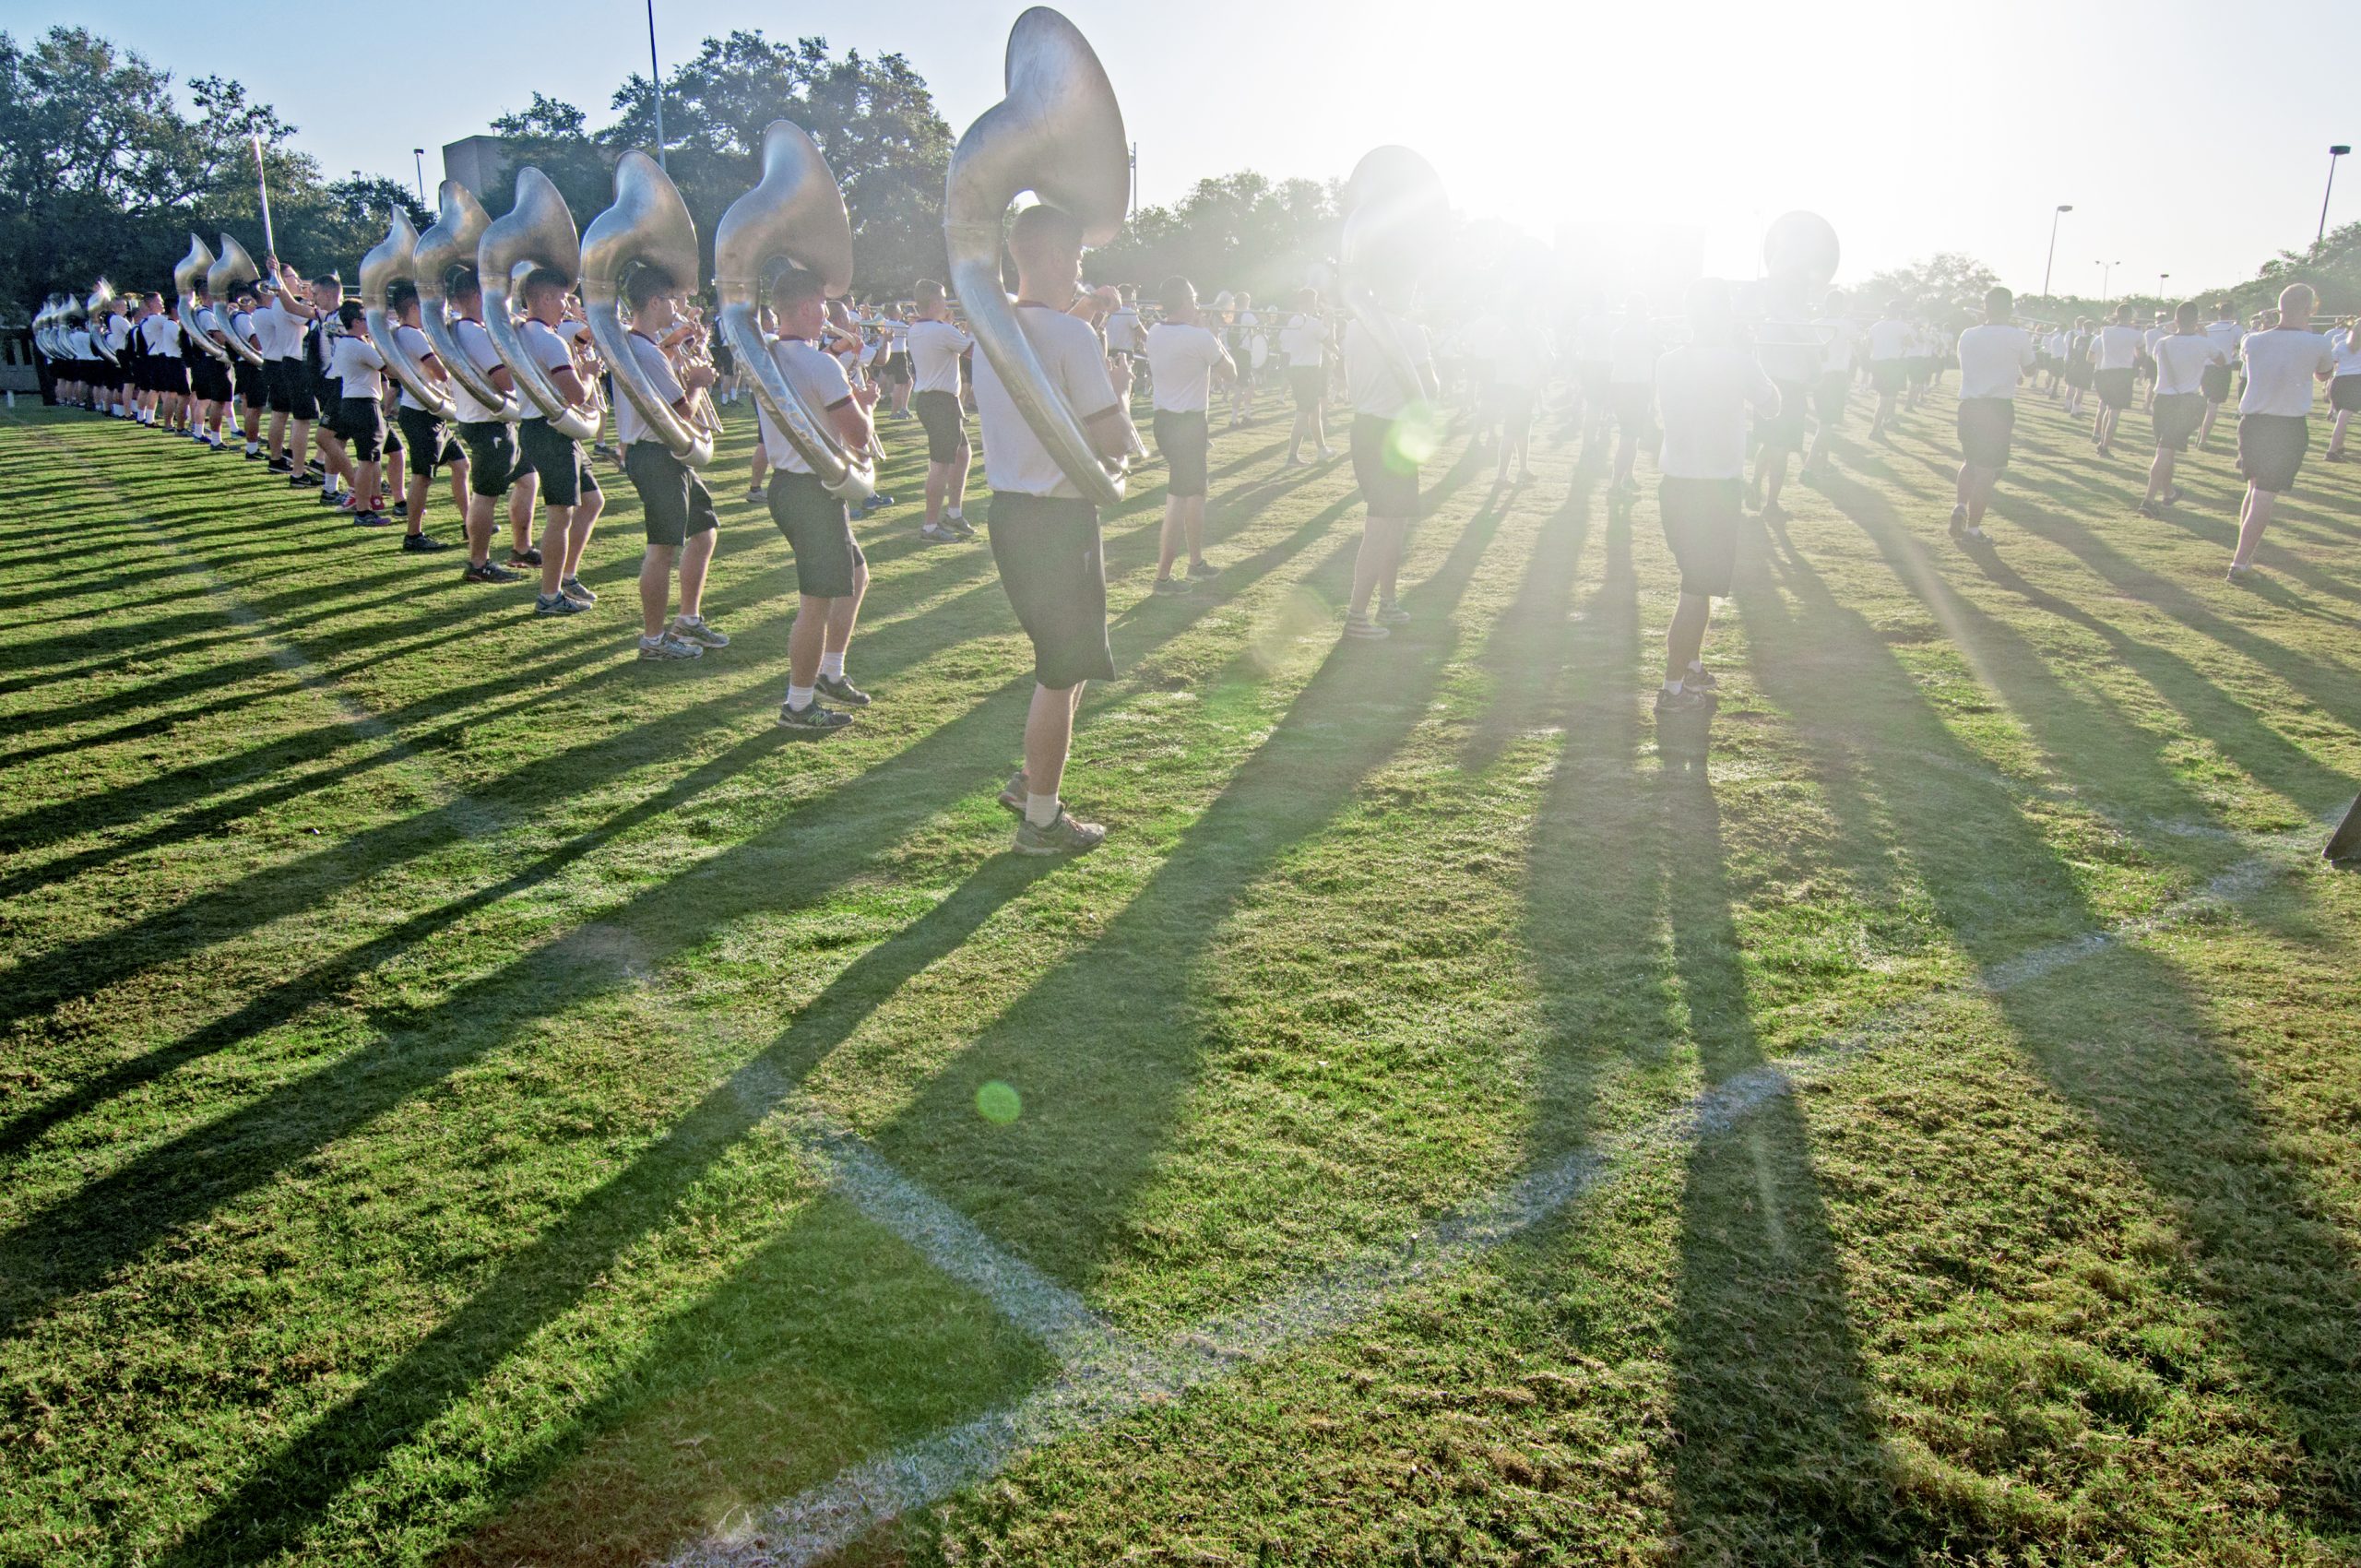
(1120, 1375)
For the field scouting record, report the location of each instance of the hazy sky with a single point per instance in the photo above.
(2185, 144)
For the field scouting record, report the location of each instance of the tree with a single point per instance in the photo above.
(1945, 287)
(1236, 232)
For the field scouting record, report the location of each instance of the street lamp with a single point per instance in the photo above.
(2106, 267)
(418, 163)
(2063, 206)
(2160, 286)
(2333, 154)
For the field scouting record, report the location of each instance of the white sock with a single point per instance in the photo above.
(955, 511)
(799, 697)
(1673, 686)
(832, 665)
(1040, 810)
(647, 641)
(1698, 665)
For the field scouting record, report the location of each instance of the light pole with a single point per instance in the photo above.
(2106, 267)
(418, 161)
(2333, 154)
(2063, 206)
(656, 86)
(2160, 286)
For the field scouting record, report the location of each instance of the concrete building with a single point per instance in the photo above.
(481, 163)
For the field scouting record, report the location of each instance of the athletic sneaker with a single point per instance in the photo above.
(1959, 519)
(1171, 586)
(812, 717)
(490, 573)
(1063, 836)
(571, 588)
(1367, 630)
(1682, 701)
(557, 604)
(2237, 574)
(371, 520)
(961, 527)
(753, 494)
(667, 645)
(934, 533)
(1392, 615)
(302, 482)
(401, 509)
(528, 557)
(696, 630)
(1202, 570)
(1698, 679)
(1012, 795)
(838, 688)
(1976, 536)
(280, 465)
(422, 544)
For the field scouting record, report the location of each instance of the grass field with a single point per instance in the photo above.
(472, 1099)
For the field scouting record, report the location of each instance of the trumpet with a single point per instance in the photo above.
(537, 230)
(185, 276)
(795, 216)
(1395, 211)
(1058, 133)
(395, 260)
(648, 227)
(235, 266)
(452, 239)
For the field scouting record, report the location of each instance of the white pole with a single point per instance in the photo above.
(262, 183)
(655, 85)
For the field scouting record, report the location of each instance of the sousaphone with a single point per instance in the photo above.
(795, 216)
(235, 266)
(451, 240)
(648, 227)
(537, 231)
(193, 267)
(1799, 257)
(1058, 133)
(394, 260)
(101, 297)
(1395, 216)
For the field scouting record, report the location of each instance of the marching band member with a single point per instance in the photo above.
(209, 377)
(675, 508)
(1703, 390)
(2078, 373)
(1242, 322)
(2119, 346)
(359, 372)
(1305, 342)
(1993, 358)
(424, 437)
(2274, 428)
(1518, 362)
(1889, 344)
(117, 331)
(1385, 447)
(2225, 333)
(831, 573)
(894, 362)
(1793, 364)
(245, 376)
(2184, 357)
(766, 322)
(571, 498)
(1832, 388)
(493, 470)
(1186, 362)
(159, 338)
(2344, 386)
(278, 332)
(937, 349)
(322, 302)
(1044, 534)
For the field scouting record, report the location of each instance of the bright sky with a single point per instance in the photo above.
(2186, 145)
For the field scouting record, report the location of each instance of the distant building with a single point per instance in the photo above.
(481, 163)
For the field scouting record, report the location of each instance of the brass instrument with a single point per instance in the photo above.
(394, 260)
(185, 276)
(234, 268)
(648, 227)
(1058, 133)
(101, 296)
(795, 216)
(452, 239)
(538, 231)
(1395, 213)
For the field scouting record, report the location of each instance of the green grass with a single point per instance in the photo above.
(418, 1016)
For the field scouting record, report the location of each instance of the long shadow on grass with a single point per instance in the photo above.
(2122, 1038)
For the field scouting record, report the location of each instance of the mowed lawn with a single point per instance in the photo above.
(470, 1098)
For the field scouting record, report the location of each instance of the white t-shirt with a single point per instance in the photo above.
(1015, 459)
(2119, 346)
(547, 347)
(1888, 338)
(1703, 395)
(1991, 359)
(355, 362)
(1836, 352)
(418, 349)
(2280, 364)
(1631, 352)
(821, 378)
(280, 330)
(2181, 360)
(207, 322)
(118, 332)
(1123, 331)
(658, 371)
(152, 333)
(2226, 335)
(2150, 338)
(1370, 381)
(242, 328)
(1182, 359)
(2348, 358)
(1304, 340)
(78, 343)
(468, 334)
(935, 348)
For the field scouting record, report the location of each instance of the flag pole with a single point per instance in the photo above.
(269, 242)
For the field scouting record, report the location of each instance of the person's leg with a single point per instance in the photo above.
(459, 487)
(696, 557)
(1048, 736)
(2252, 520)
(1776, 480)
(521, 496)
(938, 486)
(1627, 452)
(1169, 538)
(806, 641)
(2205, 430)
(844, 612)
(1684, 640)
(1981, 483)
(1379, 536)
(482, 517)
(2336, 433)
(656, 587)
(761, 467)
(955, 496)
(577, 531)
(2160, 477)
(415, 493)
(554, 534)
(1192, 527)
(277, 435)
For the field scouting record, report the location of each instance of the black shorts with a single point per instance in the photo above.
(210, 379)
(564, 468)
(1184, 441)
(2115, 388)
(1921, 369)
(2176, 417)
(946, 429)
(2344, 395)
(291, 390)
(1888, 375)
(818, 526)
(2272, 449)
(674, 501)
(247, 380)
(1309, 385)
(2079, 374)
(1636, 408)
(2213, 382)
(1783, 431)
(1047, 548)
(1700, 520)
(430, 443)
(1829, 393)
(171, 374)
(895, 371)
(1985, 425)
(361, 422)
(492, 456)
(1389, 479)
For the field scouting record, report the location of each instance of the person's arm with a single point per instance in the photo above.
(1081, 370)
(1225, 369)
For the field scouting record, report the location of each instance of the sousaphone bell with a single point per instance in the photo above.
(650, 225)
(537, 231)
(235, 266)
(101, 296)
(449, 241)
(392, 260)
(1395, 216)
(193, 267)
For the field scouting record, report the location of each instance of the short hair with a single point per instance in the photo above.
(462, 282)
(401, 296)
(644, 284)
(349, 313)
(794, 288)
(2297, 297)
(328, 281)
(1997, 299)
(2187, 314)
(1044, 229)
(1176, 292)
(2221, 307)
(542, 280)
(928, 291)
